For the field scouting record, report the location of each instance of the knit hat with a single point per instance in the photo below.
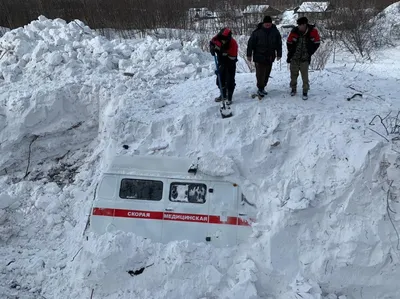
(267, 19)
(302, 20)
(225, 34)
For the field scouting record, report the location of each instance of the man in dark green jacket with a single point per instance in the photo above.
(302, 43)
(264, 45)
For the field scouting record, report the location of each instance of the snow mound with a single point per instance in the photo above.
(387, 25)
(57, 77)
(215, 165)
(6, 200)
(166, 265)
(289, 17)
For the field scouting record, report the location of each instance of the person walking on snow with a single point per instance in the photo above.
(264, 45)
(226, 48)
(302, 43)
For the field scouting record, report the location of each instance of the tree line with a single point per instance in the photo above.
(133, 14)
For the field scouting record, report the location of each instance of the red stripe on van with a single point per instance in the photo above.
(127, 213)
(186, 217)
(103, 212)
(138, 214)
(217, 220)
(199, 218)
(244, 222)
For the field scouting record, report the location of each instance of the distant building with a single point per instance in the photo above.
(201, 13)
(315, 11)
(254, 14)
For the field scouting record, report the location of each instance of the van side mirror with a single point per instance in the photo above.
(193, 167)
(211, 190)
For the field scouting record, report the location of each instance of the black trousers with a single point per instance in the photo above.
(263, 71)
(227, 72)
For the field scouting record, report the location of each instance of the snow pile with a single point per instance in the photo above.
(167, 265)
(289, 17)
(387, 24)
(289, 20)
(324, 184)
(215, 165)
(6, 200)
(76, 71)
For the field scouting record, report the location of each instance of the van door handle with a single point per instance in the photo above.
(242, 214)
(169, 209)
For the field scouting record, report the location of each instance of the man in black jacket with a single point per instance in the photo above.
(264, 45)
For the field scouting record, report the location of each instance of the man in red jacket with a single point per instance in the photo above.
(226, 48)
(302, 43)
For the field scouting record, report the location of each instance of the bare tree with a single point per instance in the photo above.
(352, 25)
(145, 14)
(320, 58)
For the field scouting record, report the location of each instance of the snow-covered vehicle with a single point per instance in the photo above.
(166, 199)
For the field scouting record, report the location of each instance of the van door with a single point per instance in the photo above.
(223, 214)
(139, 206)
(186, 211)
(103, 206)
(247, 212)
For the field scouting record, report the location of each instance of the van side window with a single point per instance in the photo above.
(141, 189)
(188, 192)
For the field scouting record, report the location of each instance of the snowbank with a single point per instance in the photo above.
(325, 185)
(289, 17)
(387, 25)
(79, 72)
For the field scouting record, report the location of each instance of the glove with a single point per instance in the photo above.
(288, 60)
(212, 51)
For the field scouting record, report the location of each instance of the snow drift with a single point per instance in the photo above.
(325, 184)
(386, 29)
(79, 73)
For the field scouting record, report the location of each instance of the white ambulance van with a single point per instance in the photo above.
(166, 199)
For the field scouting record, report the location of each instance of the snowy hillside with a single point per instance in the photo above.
(326, 192)
(387, 24)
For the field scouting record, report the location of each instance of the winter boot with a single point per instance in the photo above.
(305, 95)
(293, 92)
(219, 99)
(230, 96)
(261, 92)
(223, 97)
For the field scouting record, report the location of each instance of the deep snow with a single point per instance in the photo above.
(324, 229)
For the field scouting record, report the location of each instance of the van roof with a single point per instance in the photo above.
(156, 166)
